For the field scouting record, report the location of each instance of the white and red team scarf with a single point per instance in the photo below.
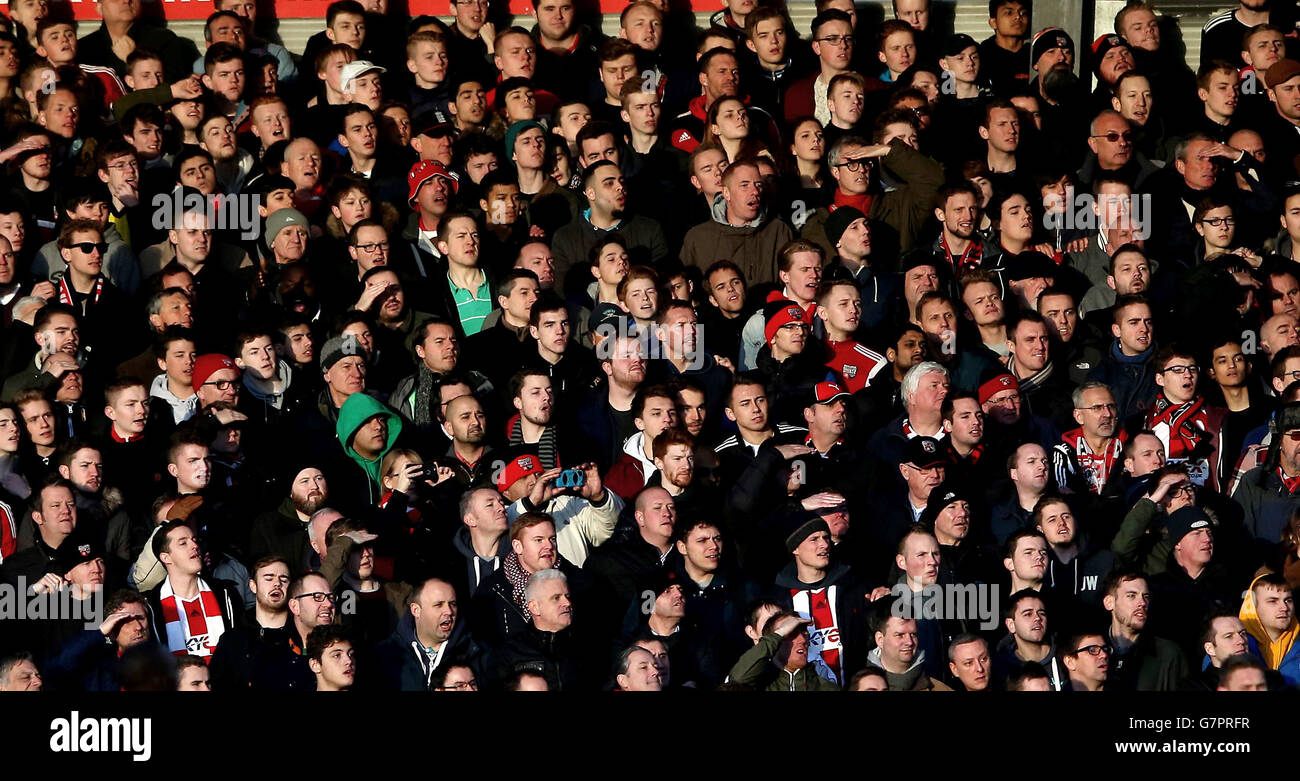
(911, 433)
(855, 364)
(825, 644)
(1096, 467)
(65, 292)
(1183, 428)
(193, 626)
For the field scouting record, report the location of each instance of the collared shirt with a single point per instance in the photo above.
(472, 306)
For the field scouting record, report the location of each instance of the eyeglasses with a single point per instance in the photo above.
(1183, 488)
(378, 246)
(1219, 222)
(1114, 136)
(221, 385)
(1013, 398)
(1097, 409)
(128, 166)
(1293, 435)
(854, 165)
(1295, 375)
(836, 40)
(1181, 370)
(90, 246)
(461, 686)
(1093, 650)
(319, 596)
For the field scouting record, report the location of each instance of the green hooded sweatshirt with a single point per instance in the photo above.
(355, 411)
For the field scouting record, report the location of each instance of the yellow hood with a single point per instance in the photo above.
(1273, 651)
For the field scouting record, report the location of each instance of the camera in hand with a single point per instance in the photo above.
(571, 478)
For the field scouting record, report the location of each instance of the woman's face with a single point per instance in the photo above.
(10, 431)
(809, 141)
(733, 121)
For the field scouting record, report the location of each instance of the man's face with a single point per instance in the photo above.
(197, 172)
(815, 551)
(953, 521)
(644, 28)
(337, 665)
(920, 559)
(1148, 455)
(702, 548)
(271, 123)
(192, 468)
(939, 321)
(1198, 166)
(964, 65)
(535, 399)
(1029, 622)
(467, 420)
(1128, 605)
(930, 392)
(61, 113)
(1003, 132)
(470, 14)
(270, 587)
(1029, 559)
(516, 55)
(643, 112)
(1057, 524)
(302, 160)
(1056, 57)
(707, 170)
(22, 677)
(1116, 62)
(58, 44)
(1112, 141)
(1266, 48)
(744, 193)
(967, 422)
(1061, 312)
(1223, 93)
(842, 310)
(768, 41)
(552, 330)
(552, 605)
(971, 665)
(313, 607)
(898, 51)
(1132, 273)
(471, 103)
(1279, 331)
(349, 29)
(13, 228)
(830, 419)
(833, 45)
(487, 511)
(983, 302)
(435, 611)
(130, 409)
(226, 79)
(898, 640)
(554, 18)
(1141, 29)
(371, 436)
(846, 102)
(1097, 413)
(1134, 328)
(1086, 664)
(1029, 345)
(727, 291)
(804, 275)
(850, 181)
(1011, 21)
(1178, 378)
(537, 547)
(1228, 365)
(1230, 638)
(85, 262)
(615, 73)
(85, 470)
(960, 215)
(1217, 226)
(748, 407)
(722, 79)
(642, 673)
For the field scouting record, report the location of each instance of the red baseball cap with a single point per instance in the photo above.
(207, 365)
(422, 172)
(826, 392)
(518, 469)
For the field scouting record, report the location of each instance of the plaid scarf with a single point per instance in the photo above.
(193, 626)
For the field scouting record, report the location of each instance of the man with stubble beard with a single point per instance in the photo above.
(259, 655)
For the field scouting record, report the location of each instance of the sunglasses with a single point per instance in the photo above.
(91, 246)
(1114, 136)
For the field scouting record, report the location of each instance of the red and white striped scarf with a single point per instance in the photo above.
(825, 638)
(193, 626)
(66, 298)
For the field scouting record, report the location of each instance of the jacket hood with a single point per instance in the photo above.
(1272, 651)
(357, 410)
(718, 209)
(909, 678)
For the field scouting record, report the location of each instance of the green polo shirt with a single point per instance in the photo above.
(472, 306)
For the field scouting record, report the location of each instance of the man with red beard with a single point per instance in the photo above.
(1186, 425)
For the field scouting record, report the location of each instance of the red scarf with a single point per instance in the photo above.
(191, 626)
(1292, 483)
(966, 262)
(65, 291)
(1184, 425)
(860, 202)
